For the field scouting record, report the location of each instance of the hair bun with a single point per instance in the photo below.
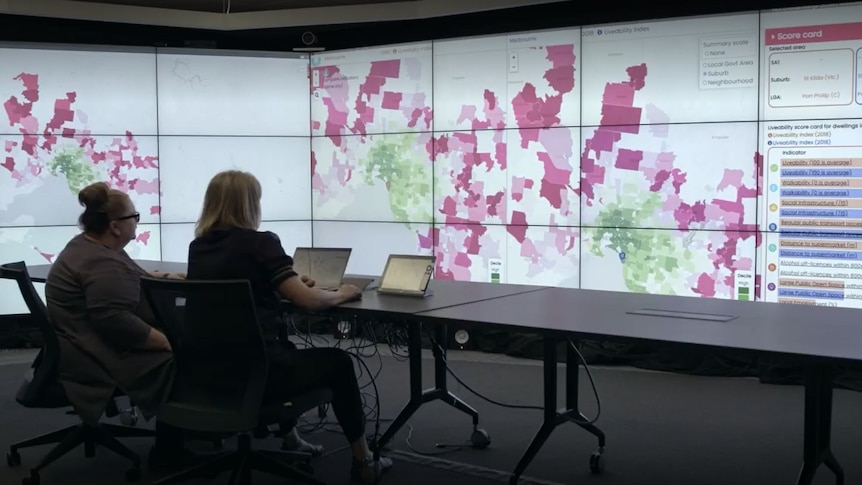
(94, 197)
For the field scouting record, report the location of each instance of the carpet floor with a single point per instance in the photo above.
(661, 429)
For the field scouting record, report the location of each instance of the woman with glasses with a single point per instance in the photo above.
(93, 299)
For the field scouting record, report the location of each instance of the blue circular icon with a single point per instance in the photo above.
(773, 227)
(769, 142)
(773, 188)
(622, 256)
(771, 286)
(599, 32)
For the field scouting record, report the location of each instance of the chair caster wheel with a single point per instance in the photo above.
(133, 474)
(33, 479)
(597, 463)
(480, 439)
(13, 459)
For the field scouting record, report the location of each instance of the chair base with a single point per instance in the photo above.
(245, 460)
(89, 435)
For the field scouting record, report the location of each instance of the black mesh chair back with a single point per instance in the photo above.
(221, 364)
(40, 388)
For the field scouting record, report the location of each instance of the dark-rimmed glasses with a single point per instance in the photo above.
(136, 216)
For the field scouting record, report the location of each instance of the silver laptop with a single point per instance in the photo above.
(326, 266)
(407, 275)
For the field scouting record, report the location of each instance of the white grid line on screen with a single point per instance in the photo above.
(758, 290)
(159, 155)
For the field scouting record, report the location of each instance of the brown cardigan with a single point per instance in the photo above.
(93, 297)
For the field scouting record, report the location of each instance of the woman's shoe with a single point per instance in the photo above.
(293, 442)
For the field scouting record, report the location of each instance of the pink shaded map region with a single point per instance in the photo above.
(604, 158)
(472, 202)
(27, 157)
(360, 113)
(529, 110)
(472, 199)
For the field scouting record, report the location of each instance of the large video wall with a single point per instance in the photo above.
(714, 157)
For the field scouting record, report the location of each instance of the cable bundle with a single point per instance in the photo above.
(362, 344)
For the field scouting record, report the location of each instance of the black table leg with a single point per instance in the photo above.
(554, 417)
(817, 448)
(440, 391)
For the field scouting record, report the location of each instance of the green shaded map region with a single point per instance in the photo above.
(650, 258)
(394, 161)
(70, 163)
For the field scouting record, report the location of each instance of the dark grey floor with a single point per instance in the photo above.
(662, 429)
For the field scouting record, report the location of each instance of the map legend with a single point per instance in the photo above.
(495, 270)
(744, 285)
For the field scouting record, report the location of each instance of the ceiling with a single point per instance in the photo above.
(233, 15)
(239, 6)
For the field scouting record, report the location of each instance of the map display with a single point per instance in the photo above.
(502, 176)
(515, 254)
(670, 206)
(711, 157)
(371, 153)
(60, 133)
(373, 242)
(375, 90)
(692, 70)
(209, 93)
(523, 80)
(63, 128)
(507, 175)
(176, 237)
(712, 264)
(376, 178)
(686, 176)
(281, 165)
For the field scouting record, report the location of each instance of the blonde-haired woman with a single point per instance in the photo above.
(228, 245)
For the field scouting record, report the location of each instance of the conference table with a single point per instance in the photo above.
(445, 294)
(819, 338)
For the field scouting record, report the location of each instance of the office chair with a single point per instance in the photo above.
(44, 390)
(221, 377)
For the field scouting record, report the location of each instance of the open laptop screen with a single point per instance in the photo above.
(407, 273)
(326, 266)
